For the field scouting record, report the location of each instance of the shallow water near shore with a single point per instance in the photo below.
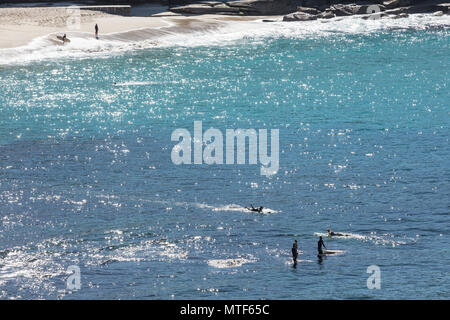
(86, 176)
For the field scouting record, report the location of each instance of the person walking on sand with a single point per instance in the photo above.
(96, 31)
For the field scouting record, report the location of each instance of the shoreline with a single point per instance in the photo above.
(19, 26)
(30, 34)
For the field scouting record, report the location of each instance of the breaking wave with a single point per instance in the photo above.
(196, 32)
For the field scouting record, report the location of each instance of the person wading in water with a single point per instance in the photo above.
(295, 252)
(320, 244)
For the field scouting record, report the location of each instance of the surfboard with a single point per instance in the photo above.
(330, 252)
(61, 38)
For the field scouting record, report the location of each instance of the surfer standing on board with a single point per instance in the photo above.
(96, 31)
(319, 245)
(295, 252)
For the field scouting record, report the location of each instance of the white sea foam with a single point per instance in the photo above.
(135, 83)
(161, 250)
(208, 34)
(231, 262)
(385, 239)
(225, 208)
(235, 208)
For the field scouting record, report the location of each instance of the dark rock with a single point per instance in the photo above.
(299, 17)
(318, 4)
(427, 8)
(205, 8)
(326, 15)
(323, 9)
(397, 11)
(264, 7)
(444, 7)
(308, 10)
(391, 4)
(351, 9)
(344, 9)
(212, 3)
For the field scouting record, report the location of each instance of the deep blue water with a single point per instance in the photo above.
(86, 176)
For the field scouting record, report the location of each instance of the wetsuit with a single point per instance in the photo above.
(294, 252)
(319, 246)
(253, 209)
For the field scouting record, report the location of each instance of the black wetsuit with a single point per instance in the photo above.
(294, 252)
(319, 246)
(253, 209)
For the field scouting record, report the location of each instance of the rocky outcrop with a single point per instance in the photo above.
(328, 14)
(299, 17)
(369, 9)
(305, 10)
(390, 4)
(264, 7)
(207, 7)
(318, 4)
(242, 7)
(308, 10)
(351, 9)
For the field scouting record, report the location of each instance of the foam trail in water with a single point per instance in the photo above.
(135, 83)
(231, 263)
(228, 207)
(382, 240)
(234, 207)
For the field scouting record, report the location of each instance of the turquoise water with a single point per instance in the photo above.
(86, 176)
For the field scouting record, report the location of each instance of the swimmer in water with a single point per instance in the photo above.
(334, 234)
(253, 209)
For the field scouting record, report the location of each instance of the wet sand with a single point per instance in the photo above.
(19, 25)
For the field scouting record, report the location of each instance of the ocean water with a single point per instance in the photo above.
(87, 180)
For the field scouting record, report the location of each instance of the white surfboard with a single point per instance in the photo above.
(330, 252)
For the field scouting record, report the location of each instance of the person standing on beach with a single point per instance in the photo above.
(96, 31)
(295, 252)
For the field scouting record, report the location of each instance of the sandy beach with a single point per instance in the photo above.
(20, 25)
